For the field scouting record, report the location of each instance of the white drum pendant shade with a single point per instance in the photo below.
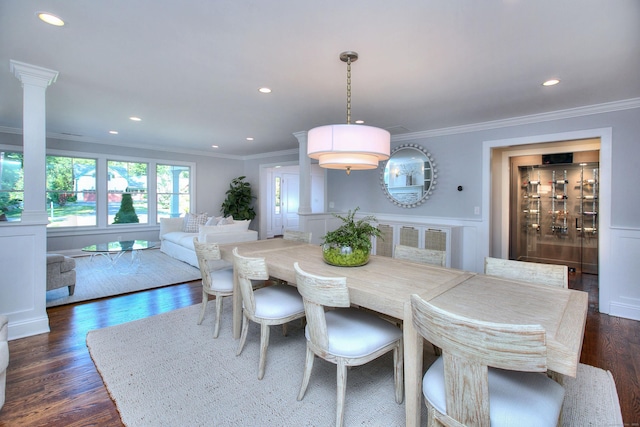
(348, 147)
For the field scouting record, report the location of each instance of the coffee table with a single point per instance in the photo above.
(113, 251)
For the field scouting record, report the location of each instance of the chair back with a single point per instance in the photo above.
(248, 269)
(424, 256)
(530, 272)
(319, 292)
(469, 347)
(206, 252)
(298, 236)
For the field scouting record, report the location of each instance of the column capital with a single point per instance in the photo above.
(32, 74)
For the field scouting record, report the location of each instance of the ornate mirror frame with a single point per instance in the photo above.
(413, 181)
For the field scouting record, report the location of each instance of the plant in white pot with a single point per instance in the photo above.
(350, 244)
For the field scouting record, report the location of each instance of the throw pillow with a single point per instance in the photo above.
(214, 220)
(226, 221)
(192, 221)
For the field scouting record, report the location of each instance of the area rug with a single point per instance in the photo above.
(96, 277)
(165, 371)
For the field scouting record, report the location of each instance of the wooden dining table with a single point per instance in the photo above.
(386, 284)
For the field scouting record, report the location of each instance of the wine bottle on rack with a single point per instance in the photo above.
(561, 196)
(561, 181)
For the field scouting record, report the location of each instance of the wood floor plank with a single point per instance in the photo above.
(52, 380)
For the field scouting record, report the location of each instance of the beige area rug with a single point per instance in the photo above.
(167, 371)
(98, 278)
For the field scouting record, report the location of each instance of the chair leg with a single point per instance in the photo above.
(308, 366)
(243, 334)
(216, 327)
(341, 391)
(203, 306)
(398, 372)
(284, 329)
(264, 343)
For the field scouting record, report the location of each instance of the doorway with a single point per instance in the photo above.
(553, 209)
(282, 187)
(495, 194)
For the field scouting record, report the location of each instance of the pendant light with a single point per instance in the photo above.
(348, 146)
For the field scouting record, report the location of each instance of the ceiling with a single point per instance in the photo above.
(191, 69)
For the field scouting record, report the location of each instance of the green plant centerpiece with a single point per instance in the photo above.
(350, 244)
(238, 201)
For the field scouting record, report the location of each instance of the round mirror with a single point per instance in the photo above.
(409, 176)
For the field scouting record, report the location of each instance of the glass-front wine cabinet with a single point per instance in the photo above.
(554, 215)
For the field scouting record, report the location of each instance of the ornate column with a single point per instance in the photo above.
(23, 244)
(35, 81)
(305, 174)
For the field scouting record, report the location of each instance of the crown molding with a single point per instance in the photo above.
(608, 107)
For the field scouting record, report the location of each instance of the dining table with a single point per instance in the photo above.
(385, 285)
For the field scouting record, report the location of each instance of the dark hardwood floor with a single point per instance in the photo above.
(52, 381)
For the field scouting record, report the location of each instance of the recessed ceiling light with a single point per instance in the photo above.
(215, 146)
(359, 122)
(264, 90)
(249, 138)
(551, 82)
(50, 19)
(113, 132)
(135, 119)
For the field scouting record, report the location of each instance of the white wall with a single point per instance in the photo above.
(461, 161)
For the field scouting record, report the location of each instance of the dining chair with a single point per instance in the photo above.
(424, 256)
(216, 282)
(272, 305)
(531, 272)
(344, 336)
(489, 374)
(298, 236)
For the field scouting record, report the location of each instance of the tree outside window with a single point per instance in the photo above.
(127, 178)
(11, 185)
(71, 191)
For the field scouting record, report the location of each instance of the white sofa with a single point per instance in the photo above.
(179, 244)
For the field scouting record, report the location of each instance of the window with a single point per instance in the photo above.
(277, 197)
(127, 185)
(71, 191)
(11, 185)
(173, 190)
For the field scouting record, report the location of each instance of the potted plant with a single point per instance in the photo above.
(238, 201)
(350, 244)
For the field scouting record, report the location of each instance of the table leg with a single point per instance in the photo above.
(413, 344)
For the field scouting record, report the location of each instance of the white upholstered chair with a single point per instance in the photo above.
(489, 374)
(298, 236)
(424, 256)
(216, 282)
(272, 305)
(4, 355)
(344, 336)
(531, 272)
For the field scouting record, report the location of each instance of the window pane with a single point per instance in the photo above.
(174, 190)
(71, 191)
(127, 183)
(11, 185)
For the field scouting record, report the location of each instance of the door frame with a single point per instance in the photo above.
(495, 194)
